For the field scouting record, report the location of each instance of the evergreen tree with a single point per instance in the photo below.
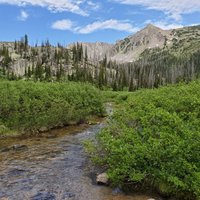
(25, 42)
(131, 85)
(29, 72)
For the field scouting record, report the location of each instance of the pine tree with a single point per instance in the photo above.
(25, 72)
(39, 71)
(131, 85)
(15, 45)
(48, 75)
(4, 70)
(86, 54)
(25, 42)
(29, 72)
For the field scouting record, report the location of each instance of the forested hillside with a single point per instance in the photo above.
(162, 57)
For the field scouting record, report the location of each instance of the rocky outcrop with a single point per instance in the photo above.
(19, 66)
(95, 51)
(9, 45)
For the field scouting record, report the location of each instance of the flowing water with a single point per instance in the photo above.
(52, 167)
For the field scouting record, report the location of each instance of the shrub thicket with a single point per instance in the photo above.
(30, 106)
(154, 140)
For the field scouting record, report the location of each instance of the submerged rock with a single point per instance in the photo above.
(117, 191)
(68, 195)
(16, 147)
(44, 196)
(19, 147)
(102, 179)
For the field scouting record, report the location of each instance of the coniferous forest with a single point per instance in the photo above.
(155, 67)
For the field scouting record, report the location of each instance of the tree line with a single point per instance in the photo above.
(57, 63)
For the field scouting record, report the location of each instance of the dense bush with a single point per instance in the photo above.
(30, 106)
(154, 140)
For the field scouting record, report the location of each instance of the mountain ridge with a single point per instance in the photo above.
(129, 48)
(148, 43)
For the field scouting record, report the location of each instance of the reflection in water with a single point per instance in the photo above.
(51, 167)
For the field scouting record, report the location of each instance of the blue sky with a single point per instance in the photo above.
(67, 21)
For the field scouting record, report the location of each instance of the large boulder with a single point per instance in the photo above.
(102, 179)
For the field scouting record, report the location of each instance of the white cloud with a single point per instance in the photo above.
(23, 16)
(64, 24)
(108, 24)
(113, 24)
(164, 25)
(173, 8)
(53, 5)
(93, 6)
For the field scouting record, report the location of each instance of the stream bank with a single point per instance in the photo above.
(53, 168)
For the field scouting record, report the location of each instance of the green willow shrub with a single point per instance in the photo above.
(30, 106)
(155, 140)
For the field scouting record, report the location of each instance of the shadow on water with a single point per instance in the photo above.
(49, 168)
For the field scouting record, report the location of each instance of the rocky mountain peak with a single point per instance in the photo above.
(129, 49)
(152, 27)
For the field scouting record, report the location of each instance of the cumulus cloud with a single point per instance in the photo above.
(108, 24)
(113, 24)
(23, 16)
(173, 8)
(55, 6)
(64, 24)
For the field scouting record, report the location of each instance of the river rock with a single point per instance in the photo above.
(43, 129)
(6, 149)
(68, 195)
(44, 195)
(102, 179)
(117, 191)
(19, 147)
(16, 147)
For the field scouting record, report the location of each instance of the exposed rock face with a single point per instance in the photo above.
(18, 66)
(130, 48)
(9, 45)
(96, 51)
